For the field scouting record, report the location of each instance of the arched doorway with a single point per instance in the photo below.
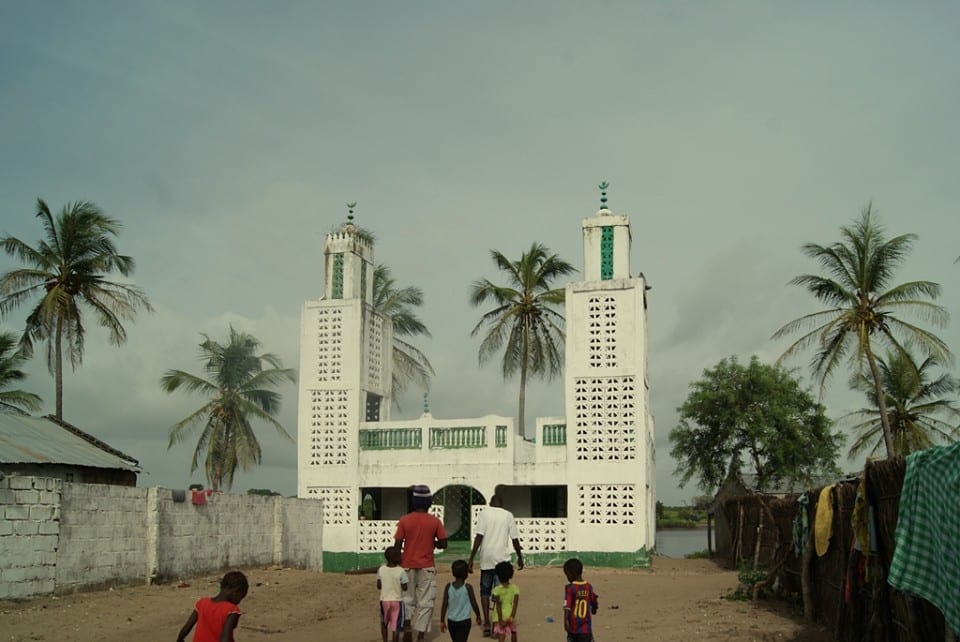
(457, 502)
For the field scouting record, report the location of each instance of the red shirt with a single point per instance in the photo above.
(418, 530)
(211, 617)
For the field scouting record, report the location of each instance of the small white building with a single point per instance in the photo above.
(583, 486)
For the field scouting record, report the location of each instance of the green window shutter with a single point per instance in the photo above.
(606, 254)
(337, 284)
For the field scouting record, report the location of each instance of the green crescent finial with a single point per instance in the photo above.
(603, 194)
(350, 208)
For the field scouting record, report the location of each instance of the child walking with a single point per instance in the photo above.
(579, 603)
(392, 582)
(506, 599)
(458, 599)
(216, 617)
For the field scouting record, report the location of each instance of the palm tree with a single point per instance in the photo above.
(409, 363)
(524, 320)
(917, 407)
(238, 389)
(68, 269)
(863, 307)
(15, 401)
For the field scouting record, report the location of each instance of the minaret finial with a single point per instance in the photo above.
(426, 405)
(350, 208)
(603, 195)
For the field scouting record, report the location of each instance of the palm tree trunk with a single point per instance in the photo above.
(523, 398)
(881, 403)
(523, 382)
(58, 368)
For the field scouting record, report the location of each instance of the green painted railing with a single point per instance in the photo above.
(458, 437)
(391, 439)
(501, 436)
(555, 435)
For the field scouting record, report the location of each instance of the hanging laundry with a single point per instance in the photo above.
(925, 560)
(823, 524)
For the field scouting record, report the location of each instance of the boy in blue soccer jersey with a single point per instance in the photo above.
(579, 603)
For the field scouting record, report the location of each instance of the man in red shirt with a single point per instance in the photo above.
(418, 533)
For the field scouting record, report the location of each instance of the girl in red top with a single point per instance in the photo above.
(216, 617)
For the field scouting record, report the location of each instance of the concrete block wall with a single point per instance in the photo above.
(29, 534)
(229, 531)
(60, 537)
(301, 536)
(103, 531)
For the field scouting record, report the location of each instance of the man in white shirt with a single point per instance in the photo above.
(496, 529)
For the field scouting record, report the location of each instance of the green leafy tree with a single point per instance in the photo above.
(239, 388)
(863, 308)
(702, 503)
(68, 271)
(757, 416)
(11, 359)
(919, 406)
(524, 321)
(410, 364)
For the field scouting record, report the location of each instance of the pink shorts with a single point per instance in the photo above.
(391, 614)
(507, 628)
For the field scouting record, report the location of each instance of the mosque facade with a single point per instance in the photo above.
(582, 485)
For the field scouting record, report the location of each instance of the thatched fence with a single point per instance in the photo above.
(842, 589)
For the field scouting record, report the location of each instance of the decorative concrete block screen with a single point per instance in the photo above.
(606, 419)
(374, 350)
(537, 534)
(376, 535)
(329, 344)
(602, 332)
(328, 427)
(58, 537)
(607, 504)
(338, 505)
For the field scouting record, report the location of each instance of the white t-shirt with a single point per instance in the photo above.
(499, 530)
(392, 580)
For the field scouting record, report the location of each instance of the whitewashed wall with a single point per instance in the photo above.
(57, 537)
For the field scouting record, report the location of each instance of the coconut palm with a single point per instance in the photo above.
(15, 401)
(918, 408)
(68, 269)
(863, 307)
(238, 388)
(409, 363)
(524, 320)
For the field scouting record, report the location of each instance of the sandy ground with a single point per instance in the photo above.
(674, 600)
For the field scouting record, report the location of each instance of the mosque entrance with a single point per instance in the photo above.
(457, 502)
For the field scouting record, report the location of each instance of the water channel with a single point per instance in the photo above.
(680, 542)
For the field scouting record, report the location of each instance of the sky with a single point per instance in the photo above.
(228, 136)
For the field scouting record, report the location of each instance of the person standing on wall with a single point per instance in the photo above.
(496, 529)
(418, 534)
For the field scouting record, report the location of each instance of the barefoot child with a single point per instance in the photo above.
(505, 598)
(392, 582)
(458, 599)
(579, 603)
(216, 617)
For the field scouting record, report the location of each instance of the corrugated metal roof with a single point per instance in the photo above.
(43, 440)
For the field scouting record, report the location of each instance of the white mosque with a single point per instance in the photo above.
(584, 485)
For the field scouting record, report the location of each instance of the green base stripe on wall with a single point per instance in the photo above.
(334, 562)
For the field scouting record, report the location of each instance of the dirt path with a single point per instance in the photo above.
(676, 600)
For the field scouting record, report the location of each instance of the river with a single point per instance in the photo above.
(680, 542)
